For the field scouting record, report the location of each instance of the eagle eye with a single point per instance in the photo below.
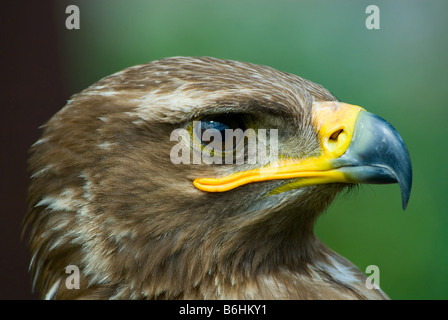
(223, 133)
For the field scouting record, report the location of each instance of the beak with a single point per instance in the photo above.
(357, 147)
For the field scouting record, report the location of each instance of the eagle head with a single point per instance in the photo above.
(201, 178)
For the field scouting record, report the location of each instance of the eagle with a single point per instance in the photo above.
(115, 193)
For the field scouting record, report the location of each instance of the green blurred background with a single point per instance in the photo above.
(398, 72)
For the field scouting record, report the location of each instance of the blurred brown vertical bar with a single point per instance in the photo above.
(32, 90)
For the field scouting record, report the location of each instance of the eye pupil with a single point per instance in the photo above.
(213, 125)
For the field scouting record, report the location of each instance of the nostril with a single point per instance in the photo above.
(334, 136)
